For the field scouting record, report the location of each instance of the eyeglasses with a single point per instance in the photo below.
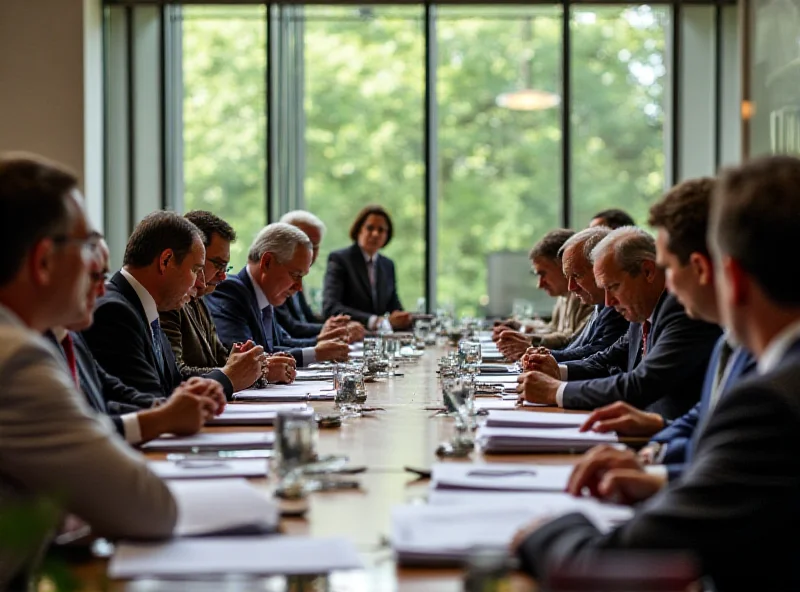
(221, 266)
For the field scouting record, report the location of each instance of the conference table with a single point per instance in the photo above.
(405, 433)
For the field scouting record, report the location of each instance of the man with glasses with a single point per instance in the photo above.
(53, 445)
(191, 331)
(243, 305)
(164, 260)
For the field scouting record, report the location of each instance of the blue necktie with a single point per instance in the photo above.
(155, 328)
(266, 322)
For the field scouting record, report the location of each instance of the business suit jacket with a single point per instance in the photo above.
(347, 290)
(234, 308)
(570, 316)
(669, 379)
(596, 336)
(681, 435)
(291, 316)
(302, 309)
(53, 444)
(120, 341)
(739, 492)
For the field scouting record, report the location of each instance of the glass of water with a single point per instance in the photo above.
(351, 392)
(469, 356)
(295, 440)
(391, 347)
(459, 396)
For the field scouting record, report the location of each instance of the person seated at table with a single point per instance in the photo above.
(184, 413)
(191, 331)
(360, 281)
(243, 306)
(612, 219)
(570, 314)
(54, 447)
(681, 220)
(658, 365)
(164, 259)
(743, 481)
(295, 315)
(605, 325)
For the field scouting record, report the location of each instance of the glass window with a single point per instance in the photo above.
(224, 117)
(364, 113)
(619, 77)
(498, 85)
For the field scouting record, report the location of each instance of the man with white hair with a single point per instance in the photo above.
(295, 315)
(243, 306)
(659, 365)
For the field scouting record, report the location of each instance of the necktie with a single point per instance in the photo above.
(155, 330)
(266, 322)
(372, 282)
(69, 353)
(645, 335)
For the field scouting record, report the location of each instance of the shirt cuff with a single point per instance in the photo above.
(560, 394)
(130, 424)
(372, 323)
(662, 452)
(564, 371)
(657, 470)
(309, 356)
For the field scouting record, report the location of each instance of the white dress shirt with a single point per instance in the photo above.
(778, 347)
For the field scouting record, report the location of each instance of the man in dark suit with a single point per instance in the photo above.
(191, 331)
(743, 481)
(163, 260)
(605, 326)
(658, 365)
(295, 315)
(243, 305)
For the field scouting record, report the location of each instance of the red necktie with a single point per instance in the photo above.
(645, 333)
(69, 352)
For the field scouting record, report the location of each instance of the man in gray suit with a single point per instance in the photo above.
(743, 482)
(52, 445)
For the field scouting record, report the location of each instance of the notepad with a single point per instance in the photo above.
(520, 440)
(253, 414)
(224, 506)
(304, 391)
(534, 419)
(497, 378)
(504, 403)
(254, 555)
(316, 374)
(442, 535)
(212, 441)
(208, 468)
(500, 476)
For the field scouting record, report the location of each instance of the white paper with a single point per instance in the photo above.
(535, 419)
(223, 506)
(212, 441)
(539, 439)
(306, 375)
(206, 468)
(497, 378)
(253, 413)
(301, 391)
(506, 403)
(499, 369)
(500, 476)
(443, 534)
(252, 555)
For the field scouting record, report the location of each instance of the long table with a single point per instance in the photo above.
(404, 434)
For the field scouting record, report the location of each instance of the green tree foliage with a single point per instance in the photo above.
(499, 171)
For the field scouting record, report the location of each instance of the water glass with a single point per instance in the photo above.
(373, 346)
(459, 395)
(469, 356)
(295, 440)
(391, 349)
(351, 392)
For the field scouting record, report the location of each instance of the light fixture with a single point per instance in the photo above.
(527, 98)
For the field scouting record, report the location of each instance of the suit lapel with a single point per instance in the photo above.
(245, 279)
(634, 346)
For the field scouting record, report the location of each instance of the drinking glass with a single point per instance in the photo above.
(459, 395)
(351, 392)
(373, 346)
(295, 440)
(391, 349)
(469, 356)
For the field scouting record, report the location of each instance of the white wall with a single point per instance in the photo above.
(51, 86)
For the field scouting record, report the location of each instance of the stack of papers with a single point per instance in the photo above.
(317, 374)
(500, 476)
(211, 441)
(489, 352)
(254, 555)
(209, 468)
(304, 391)
(498, 369)
(522, 440)
(223, 507)
(535, 419)
(253, 415)
(503, 403)
(444, 535)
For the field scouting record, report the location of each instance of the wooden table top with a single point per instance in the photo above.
(405, 434)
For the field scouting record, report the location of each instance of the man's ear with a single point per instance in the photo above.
(266, 261)
(703, 268)
(649, 270)
(163, 260)
(41, 262)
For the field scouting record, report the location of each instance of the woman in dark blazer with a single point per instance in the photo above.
(359, 281)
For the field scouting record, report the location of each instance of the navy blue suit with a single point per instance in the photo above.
(739, 492)
(667, 381)
(234, 307)
(681, 435)
(293, 318)
(597, 335)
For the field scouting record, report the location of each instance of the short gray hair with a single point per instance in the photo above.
(280, 239)
(296, 217)
(631, 246)
(588, 238)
